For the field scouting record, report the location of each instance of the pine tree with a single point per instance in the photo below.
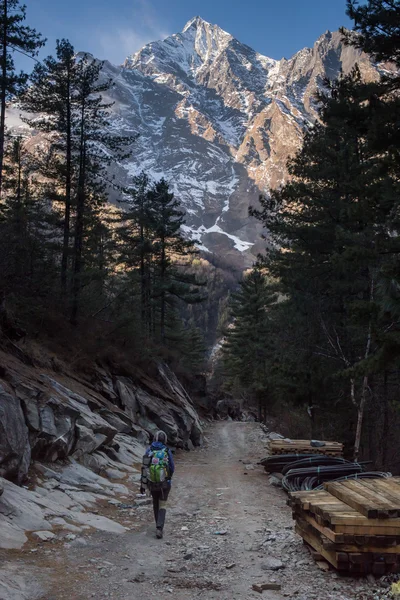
(14, 37)
(330, 233)
(26, 228)
(247, 347)
(136, 248)
(51, 97)
(171, 282)
(96, 148)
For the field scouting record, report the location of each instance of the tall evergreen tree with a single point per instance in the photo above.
(25, 228)
(137, 236)
(171, 283)
(52, 99)
(15, 36)
(329, 225)
(96, 148)
(247, 347)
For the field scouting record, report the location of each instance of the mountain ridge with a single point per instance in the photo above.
(219, 121)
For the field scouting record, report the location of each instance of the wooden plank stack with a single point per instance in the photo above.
(354, 525)
(286, 446)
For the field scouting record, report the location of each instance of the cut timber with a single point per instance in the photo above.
(359, 537)
(304, 447)
(348, 540)
(314, 543)
(304, 499)
(362, 499)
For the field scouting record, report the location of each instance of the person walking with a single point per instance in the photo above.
(157, 471)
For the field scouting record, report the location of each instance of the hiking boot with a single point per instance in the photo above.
(159, 533)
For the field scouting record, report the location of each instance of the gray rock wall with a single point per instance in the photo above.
(49, 417)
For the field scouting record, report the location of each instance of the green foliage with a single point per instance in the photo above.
(377, 24)
(15, 36)
(250, 338)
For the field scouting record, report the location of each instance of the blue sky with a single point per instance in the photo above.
(113, 29)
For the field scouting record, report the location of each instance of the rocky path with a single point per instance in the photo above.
(227, 529)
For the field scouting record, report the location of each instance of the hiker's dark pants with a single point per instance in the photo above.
(160, 498)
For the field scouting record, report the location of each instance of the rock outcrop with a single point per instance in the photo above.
(101, 421)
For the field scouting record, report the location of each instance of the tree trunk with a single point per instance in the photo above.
(386, 420)
(364, 388)
(142, 277)
(3, 93)
(163, 298)
(80, 209)
(360, 418)
(67, 210)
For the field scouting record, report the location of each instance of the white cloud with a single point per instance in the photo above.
(120, 41)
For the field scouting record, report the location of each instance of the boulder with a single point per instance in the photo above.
(272, 564)
(87, 441)
(43, 536)
(122, 423)
(229, 408)
(19, 584)
(28, 397)
(15, 450)
(127, 397)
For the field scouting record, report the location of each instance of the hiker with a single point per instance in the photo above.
(157, 470)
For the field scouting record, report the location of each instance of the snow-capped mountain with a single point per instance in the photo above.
(219, 121)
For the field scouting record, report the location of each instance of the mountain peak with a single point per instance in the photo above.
(195, 22)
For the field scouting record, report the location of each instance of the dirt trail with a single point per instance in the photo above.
(213, 491)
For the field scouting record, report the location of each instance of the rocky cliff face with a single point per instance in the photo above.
(51, 416)
(219, 121)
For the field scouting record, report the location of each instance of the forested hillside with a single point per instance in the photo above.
(316, 323)
(113, 278)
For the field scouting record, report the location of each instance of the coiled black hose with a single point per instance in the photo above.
(311, 477)
(275, 464)
(319, 460)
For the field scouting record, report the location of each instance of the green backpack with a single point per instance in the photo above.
(158, 469)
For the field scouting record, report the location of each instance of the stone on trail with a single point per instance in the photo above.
(261, 587)
(43, 536)
(272, 564)
(275, 479)
(143, 501)
(60, 522)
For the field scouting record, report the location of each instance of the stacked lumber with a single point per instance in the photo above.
(286, 446)
(353, 525)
